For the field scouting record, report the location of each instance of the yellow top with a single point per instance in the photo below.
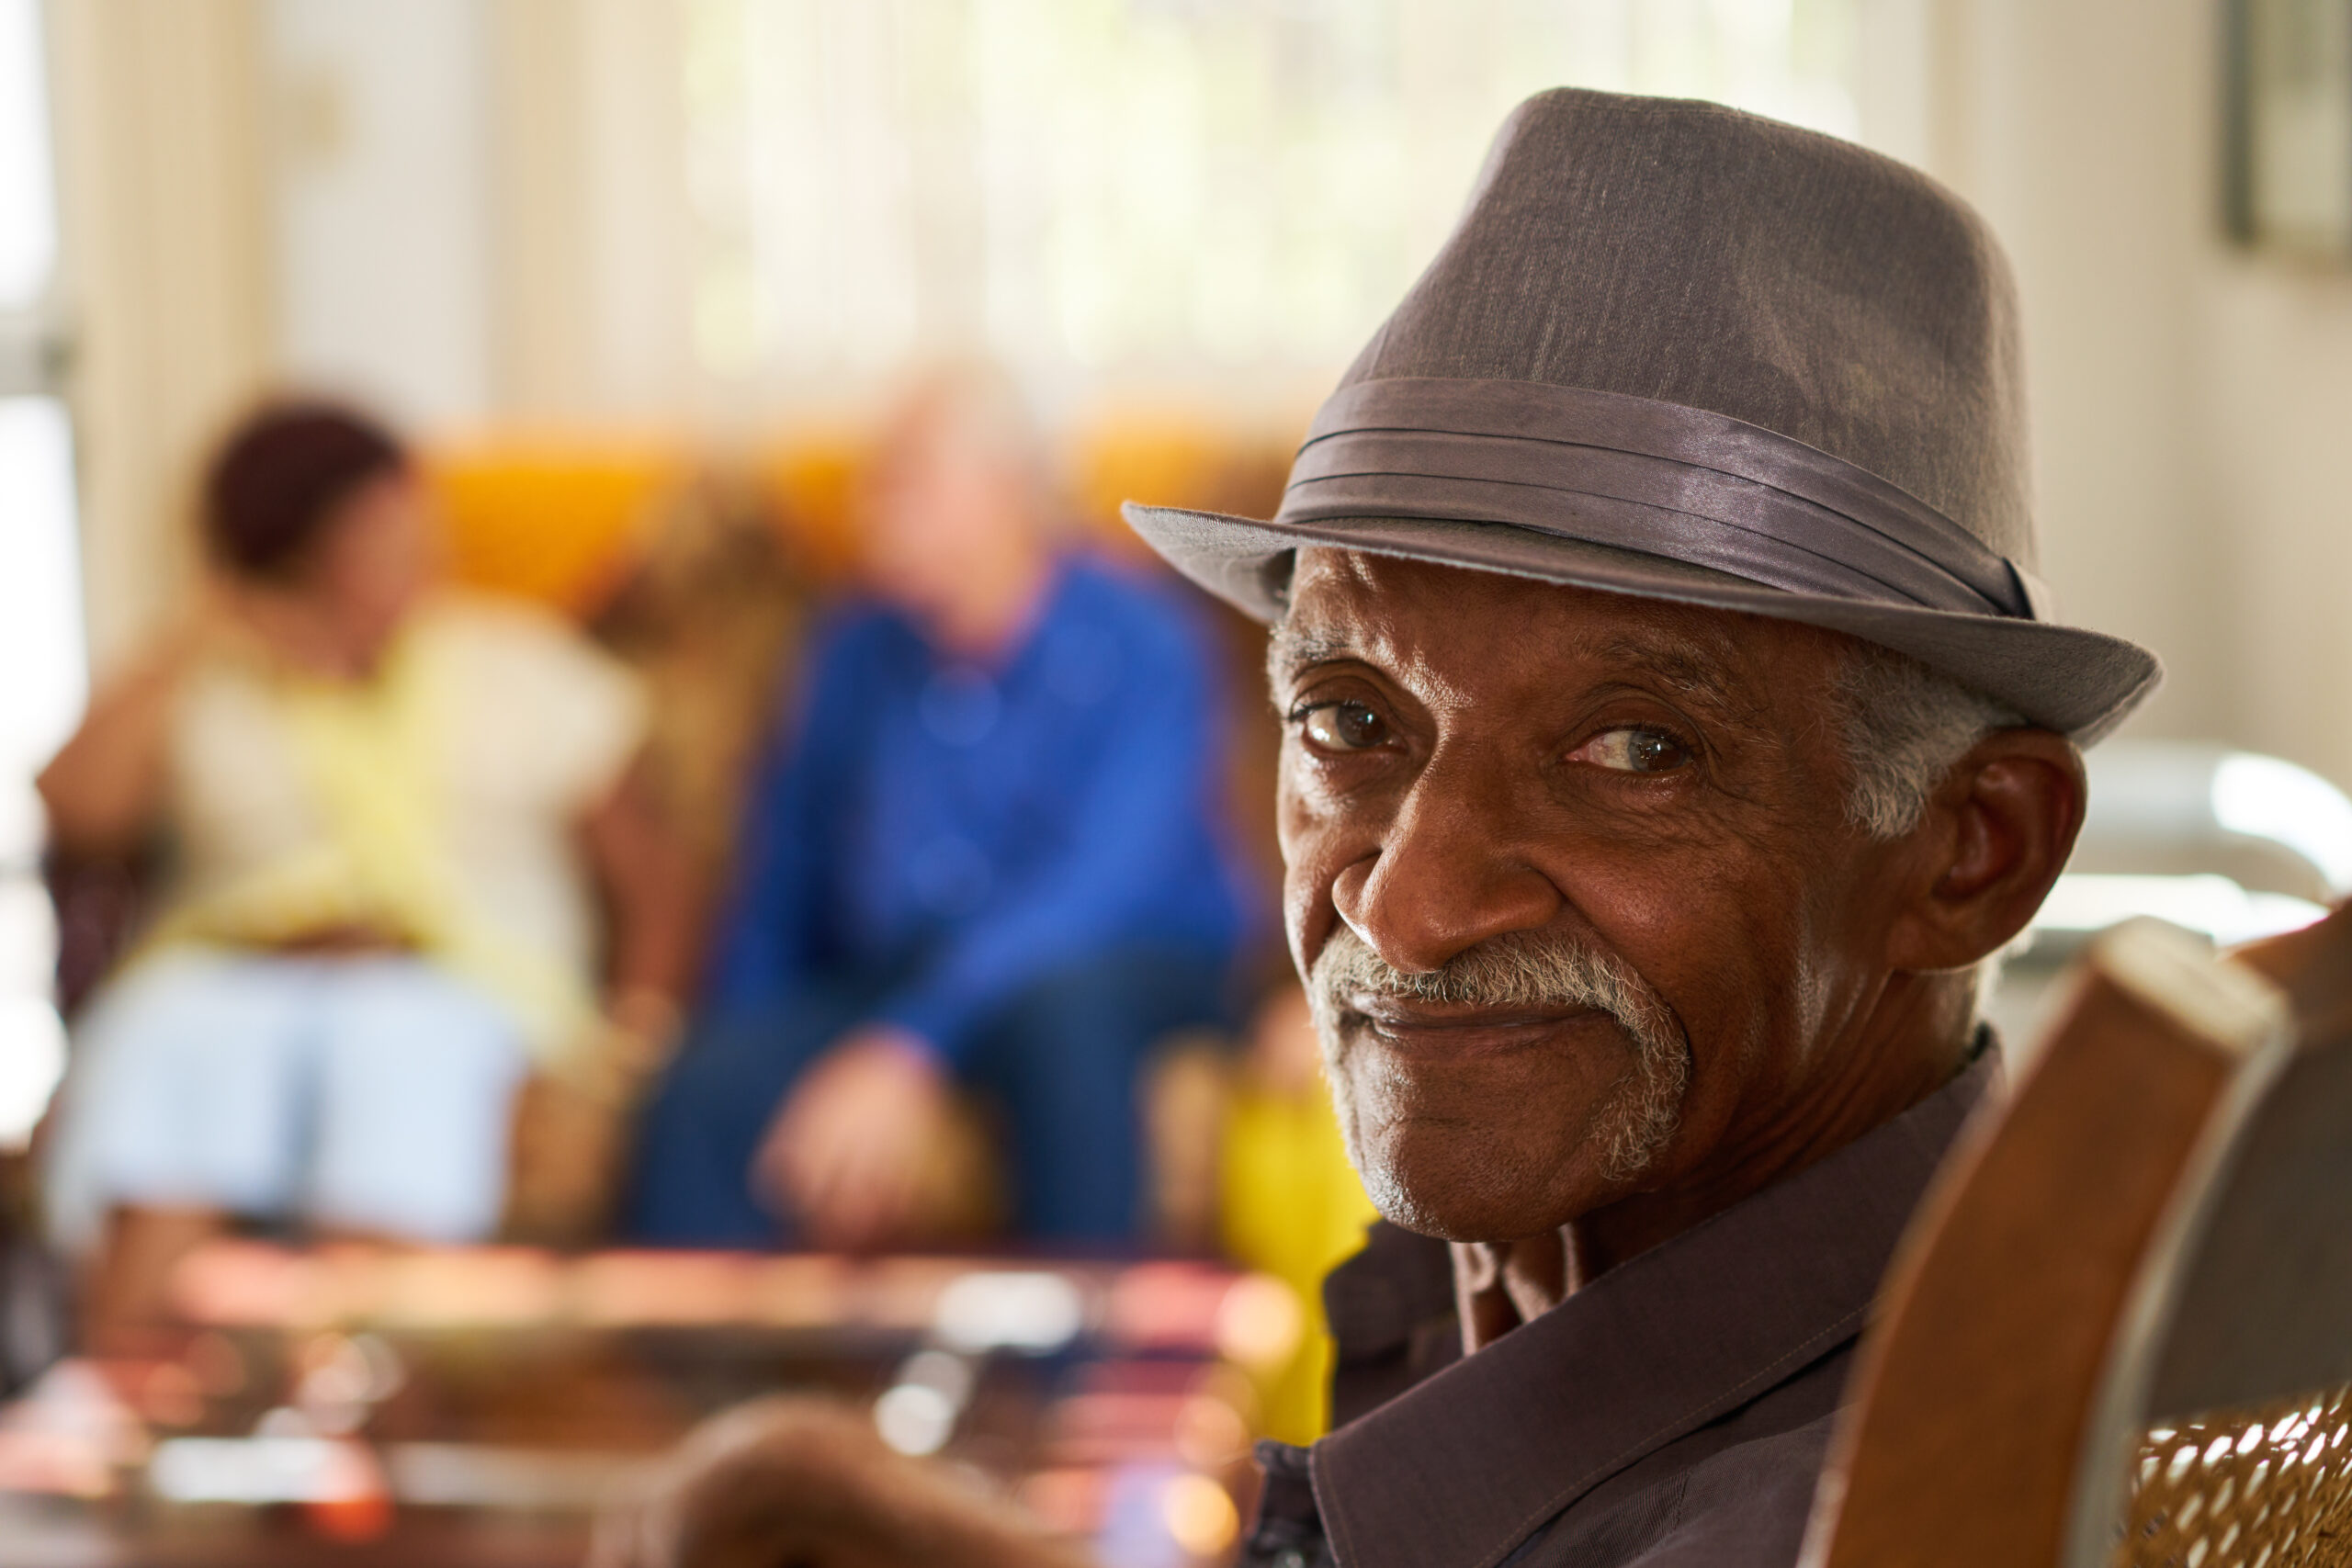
(436, 803)
(1293, 1207)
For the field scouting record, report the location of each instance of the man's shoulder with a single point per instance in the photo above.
(858, 621)
(857, 636)
(1674, 1411)
(1734, 1495)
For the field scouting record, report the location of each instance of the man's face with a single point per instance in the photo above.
(1571, 877)
(944, 514)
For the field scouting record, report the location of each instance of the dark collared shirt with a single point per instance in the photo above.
(970, 831)
(1672, 1414)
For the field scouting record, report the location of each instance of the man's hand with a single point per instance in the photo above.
(846, 1152)
(801, 1481)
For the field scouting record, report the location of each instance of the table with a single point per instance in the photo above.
(475, 1407)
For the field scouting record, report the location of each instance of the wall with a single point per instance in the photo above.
(383, 202)
(167, 298)
(2274, 396)
(595, 237)
(542, 137)
(2081, 131)
(2190, 399)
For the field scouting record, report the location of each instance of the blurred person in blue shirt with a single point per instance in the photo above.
(985, 851)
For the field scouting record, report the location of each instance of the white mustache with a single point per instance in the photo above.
(1516, 970)
(1531, 971)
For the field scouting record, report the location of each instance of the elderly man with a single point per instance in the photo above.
(1675, 730)
(985, 853)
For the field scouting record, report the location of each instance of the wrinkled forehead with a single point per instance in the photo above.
(1466, 627)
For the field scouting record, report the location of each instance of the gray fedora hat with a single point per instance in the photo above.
(1678, 351)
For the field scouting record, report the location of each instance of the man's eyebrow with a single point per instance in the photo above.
(1691, 669)
(1699, 669)
(1289, 650)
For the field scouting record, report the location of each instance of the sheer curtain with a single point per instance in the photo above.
(1221, 195)
(40, 581)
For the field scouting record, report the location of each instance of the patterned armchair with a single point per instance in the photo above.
(2121, 1331)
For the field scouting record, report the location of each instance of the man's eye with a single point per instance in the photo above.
(1344, 727)
(1631, 750)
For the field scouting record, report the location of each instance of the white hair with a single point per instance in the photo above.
(980, 404)
(1904, 726)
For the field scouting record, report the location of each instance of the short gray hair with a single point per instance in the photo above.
(1904, 726)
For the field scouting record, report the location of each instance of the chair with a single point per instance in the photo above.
(2119, 1332)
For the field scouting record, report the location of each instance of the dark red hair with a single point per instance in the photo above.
(279, 477)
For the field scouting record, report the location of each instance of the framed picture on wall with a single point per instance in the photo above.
(2288, 124)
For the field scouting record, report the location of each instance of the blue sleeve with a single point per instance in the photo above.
(765, 944)
(1139, 814)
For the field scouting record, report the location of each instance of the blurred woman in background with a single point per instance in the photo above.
(385, 811)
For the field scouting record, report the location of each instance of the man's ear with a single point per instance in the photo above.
(1992, 841)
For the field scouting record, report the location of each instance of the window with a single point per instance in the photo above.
(1145, 190)
(41, 602)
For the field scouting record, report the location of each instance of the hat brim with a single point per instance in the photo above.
(2080, 683)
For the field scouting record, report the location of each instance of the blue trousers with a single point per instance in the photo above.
(369, 1093)
(1061, 1063)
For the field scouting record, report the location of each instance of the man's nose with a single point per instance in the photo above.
(1448, 873)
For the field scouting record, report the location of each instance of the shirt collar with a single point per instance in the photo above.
(1486, 1450)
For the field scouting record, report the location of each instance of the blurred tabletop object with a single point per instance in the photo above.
(480, 1406)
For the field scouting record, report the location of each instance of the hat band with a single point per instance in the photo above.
(1601, 467)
